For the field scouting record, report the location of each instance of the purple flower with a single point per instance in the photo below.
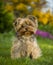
(50, 36)
(44, 34)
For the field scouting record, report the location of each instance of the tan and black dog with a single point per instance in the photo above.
(25, 44)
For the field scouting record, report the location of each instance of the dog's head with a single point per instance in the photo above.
(26, 26)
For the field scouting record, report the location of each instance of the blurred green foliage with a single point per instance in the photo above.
(6, 19)
(46, 28)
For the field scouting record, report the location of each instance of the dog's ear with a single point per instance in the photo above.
(16, 21)
(31, 17)
(34, 19)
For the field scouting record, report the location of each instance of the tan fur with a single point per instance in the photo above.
(25, 44)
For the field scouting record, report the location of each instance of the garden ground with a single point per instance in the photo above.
(46, 46)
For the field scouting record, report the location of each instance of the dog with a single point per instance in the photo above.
(25, 43)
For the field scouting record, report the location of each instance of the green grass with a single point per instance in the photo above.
(46, 46)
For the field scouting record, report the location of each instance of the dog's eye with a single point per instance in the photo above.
(22, 26)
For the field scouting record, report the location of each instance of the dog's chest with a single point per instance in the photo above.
(25, 39)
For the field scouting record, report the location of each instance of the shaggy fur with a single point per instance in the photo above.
(25, 44)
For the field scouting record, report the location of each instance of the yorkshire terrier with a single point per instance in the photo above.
(25, 44)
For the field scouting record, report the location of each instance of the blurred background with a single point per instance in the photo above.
(42, 9)
(11, 9)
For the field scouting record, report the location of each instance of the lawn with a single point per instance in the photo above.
(46, 46)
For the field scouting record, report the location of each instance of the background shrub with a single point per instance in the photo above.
(6, 18)
(46, 28)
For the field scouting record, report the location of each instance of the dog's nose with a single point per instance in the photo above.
(26, 29)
